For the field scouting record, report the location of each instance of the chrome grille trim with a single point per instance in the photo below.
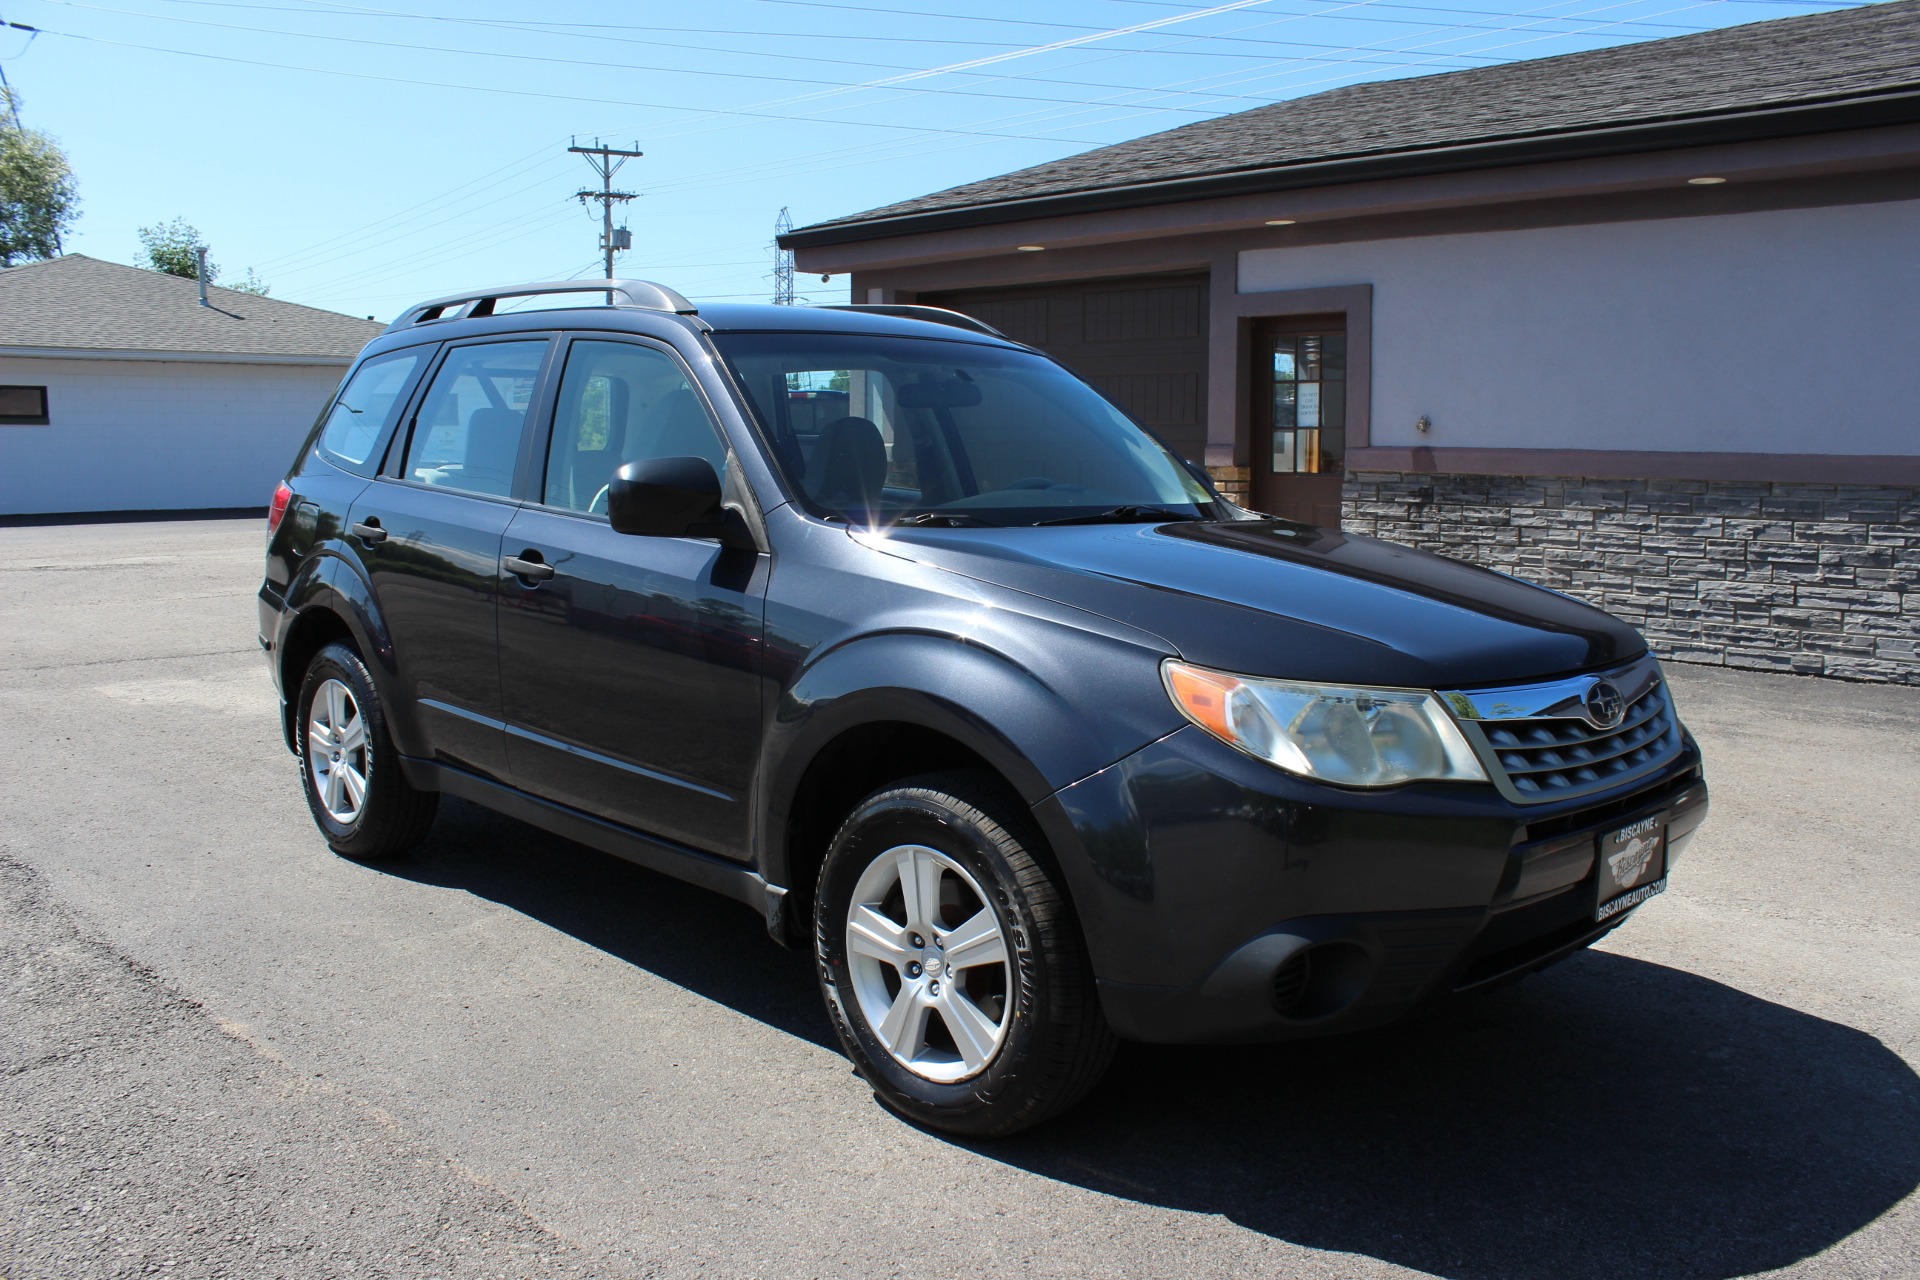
(1540, 742)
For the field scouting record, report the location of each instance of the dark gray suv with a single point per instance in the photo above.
(898, 632)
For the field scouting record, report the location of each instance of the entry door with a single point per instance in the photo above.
(428, 533)
(630, 665)
(1300, 418)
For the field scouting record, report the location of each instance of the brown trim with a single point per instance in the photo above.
(1230, 348)
(1629, 464)
(1153, 249)
(1810, 172)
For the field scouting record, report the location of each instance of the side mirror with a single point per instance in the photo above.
(666, 498)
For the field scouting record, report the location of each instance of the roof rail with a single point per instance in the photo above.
(481, 302)
(908, 311)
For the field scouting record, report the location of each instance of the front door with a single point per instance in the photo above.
(428, 537)
(630, 665)
(1300, 418)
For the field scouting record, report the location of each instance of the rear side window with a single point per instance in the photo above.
(366, 406)
(467, 433)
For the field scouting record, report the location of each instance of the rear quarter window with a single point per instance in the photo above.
(365, 408)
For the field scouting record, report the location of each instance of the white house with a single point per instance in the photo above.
(119, 391)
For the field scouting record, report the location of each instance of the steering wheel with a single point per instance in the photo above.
(599, 504)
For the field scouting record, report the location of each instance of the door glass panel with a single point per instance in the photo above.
(467, 433)
(621, 402)
(1309, 402)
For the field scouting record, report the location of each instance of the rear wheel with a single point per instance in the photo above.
(951, 962)
(349, 770)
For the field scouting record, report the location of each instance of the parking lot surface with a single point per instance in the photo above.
(224, 1051)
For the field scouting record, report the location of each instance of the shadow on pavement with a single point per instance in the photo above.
(696, 939)
(1606, 1119)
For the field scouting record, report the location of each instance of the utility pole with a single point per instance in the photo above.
(606, 162)
(782, 261)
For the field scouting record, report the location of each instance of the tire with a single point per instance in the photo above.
(983, 1048)
(339, 711)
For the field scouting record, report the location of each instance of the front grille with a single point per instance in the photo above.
(1556, 754)
(1544, 757)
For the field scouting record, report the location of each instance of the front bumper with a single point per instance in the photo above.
(1224, 900)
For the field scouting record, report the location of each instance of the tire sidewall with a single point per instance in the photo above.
(913, 816)
(337, 662)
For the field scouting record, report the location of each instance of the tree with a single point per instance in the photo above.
(172, 247)
(38, 197)
(252, 284)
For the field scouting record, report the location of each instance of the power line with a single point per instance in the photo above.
(829, 86)
(554, 97)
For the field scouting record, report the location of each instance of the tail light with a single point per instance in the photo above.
(278, 510)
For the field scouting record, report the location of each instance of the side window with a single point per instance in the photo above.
(467, 433)
(365, 407)
(621, 402)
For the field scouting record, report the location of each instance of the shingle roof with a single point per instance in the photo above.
(1825, 58)
(81, 303)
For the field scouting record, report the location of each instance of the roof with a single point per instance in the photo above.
(84, 305)
(1847, 69)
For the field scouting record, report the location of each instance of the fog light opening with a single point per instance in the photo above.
(1320, 981)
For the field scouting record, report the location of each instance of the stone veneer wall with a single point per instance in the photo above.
(1806, 578)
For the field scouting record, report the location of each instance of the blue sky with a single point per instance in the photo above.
(362, 156)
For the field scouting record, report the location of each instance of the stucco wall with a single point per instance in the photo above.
(153, 435)
(1787, 331)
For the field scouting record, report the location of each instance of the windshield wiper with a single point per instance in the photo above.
(1130, 514)
(951, 519)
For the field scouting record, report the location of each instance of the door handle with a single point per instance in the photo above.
(370, 532)
(528, 570)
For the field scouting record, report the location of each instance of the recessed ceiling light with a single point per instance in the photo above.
(1705, 182)
(1030, 248)
(1280, 222)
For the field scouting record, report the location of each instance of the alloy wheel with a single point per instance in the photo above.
(930, 963)
(337, 751)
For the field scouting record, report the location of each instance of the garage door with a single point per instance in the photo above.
(1142, 340)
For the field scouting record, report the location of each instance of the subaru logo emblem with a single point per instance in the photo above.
(1606, 705)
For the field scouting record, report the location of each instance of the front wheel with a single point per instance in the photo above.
(349, 770)
(951, 961)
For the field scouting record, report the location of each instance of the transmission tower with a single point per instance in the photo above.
(782, 262)
(606, 162)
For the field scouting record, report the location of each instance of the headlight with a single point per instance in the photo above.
(1350, 735)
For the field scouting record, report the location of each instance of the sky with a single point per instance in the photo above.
(361, 157)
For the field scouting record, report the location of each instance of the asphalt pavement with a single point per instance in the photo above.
(226, 1052)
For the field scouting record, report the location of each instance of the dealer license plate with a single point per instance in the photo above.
(1632, 866)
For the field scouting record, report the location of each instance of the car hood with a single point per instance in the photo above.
(1271, 597)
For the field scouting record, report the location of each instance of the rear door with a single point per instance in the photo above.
(630, 665)
(427, 533)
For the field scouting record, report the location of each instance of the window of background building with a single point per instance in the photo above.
(1309, 402)
(23, 406)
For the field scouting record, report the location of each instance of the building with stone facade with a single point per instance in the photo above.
(1641, 323)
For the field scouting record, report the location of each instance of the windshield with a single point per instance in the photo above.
(880, 430)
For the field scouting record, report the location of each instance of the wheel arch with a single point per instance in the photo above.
(326, 603)
(892, 707)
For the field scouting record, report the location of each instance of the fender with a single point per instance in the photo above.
(1023, 714)
(328, 581)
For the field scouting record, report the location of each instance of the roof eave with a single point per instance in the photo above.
(189, 357)
(1899, 105)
